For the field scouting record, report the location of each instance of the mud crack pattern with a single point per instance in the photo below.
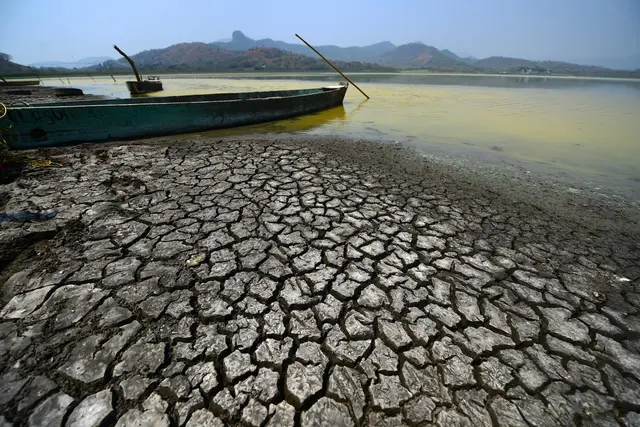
(267, 283)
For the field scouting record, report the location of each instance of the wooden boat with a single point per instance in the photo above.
(4, 82)
(144, 86)
(140, 87)
(61, 123)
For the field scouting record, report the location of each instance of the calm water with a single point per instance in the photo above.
(584, 129)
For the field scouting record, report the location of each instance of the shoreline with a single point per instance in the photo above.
(509, 182)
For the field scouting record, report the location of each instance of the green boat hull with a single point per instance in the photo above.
(63, 123)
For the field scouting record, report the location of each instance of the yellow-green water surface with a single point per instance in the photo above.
(580, 126)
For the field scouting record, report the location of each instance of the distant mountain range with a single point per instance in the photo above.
(202, 57)
(371, 53)
(420, 56)
(424, 57)
(84, 62)
(242, 53)
(198, 57)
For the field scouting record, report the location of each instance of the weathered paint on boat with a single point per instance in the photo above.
(117, 119)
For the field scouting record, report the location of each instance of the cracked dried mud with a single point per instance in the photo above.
(315, 283)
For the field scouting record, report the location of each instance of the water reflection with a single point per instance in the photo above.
(354, 110)
(305, 123)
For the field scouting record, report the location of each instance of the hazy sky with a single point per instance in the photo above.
(64, 30)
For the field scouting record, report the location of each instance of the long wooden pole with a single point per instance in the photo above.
(332, 66)
(133, 65)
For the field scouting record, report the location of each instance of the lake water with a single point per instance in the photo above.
(581, 130)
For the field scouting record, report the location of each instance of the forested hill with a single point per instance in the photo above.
(201, 57)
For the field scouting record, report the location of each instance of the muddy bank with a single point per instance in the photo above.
(300, 281)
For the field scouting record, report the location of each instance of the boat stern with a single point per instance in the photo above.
(340, 88)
